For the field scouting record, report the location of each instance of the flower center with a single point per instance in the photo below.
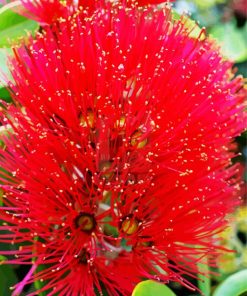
(83, 257)
(137, 140)
(86, 222)
(129, 225)
(88, 120)
(106, 170)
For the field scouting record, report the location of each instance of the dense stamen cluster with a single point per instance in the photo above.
(118, 138)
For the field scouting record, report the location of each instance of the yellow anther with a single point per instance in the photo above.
(129, 226)
(137, 140)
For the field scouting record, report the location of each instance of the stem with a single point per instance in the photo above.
(204, 281)
(37, 284)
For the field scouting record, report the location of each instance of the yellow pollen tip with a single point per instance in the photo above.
(120, 124)
(129, 226)
(136, 140)
(88, 121)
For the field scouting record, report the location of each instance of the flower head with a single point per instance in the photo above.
(47, 12)
(117, 162)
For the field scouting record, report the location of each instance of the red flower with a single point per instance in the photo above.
(116, 165)
(45, 12)
(49, 11)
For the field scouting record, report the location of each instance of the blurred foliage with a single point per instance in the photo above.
(232, 39)
(234, 238)
(207, 3)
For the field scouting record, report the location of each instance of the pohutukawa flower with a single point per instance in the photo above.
(45, 11)
(48, 11)
(116, 163)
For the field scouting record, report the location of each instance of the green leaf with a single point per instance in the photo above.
(234, 285)
(7, 278)
(5, 95)
(9, 18)
(232, 40)
(13, 26)
(17, 31)
(152, 288)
